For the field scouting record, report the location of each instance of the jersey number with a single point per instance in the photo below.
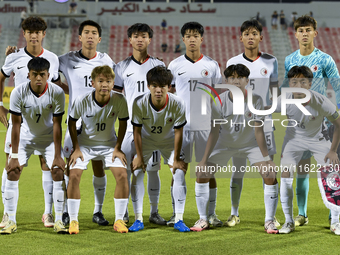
(268, 140)
(38, 115)
(87, 81)
(101, 126)
(140, 86)
(193, 84)
(252, 83)
(158, 131)
(237, 127)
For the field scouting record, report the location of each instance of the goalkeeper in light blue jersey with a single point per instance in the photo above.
(324, 69)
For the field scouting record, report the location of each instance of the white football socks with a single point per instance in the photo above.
(202, 198)
(11, 198)
(3, 186)
(120, 208)
(73, 208)
(271, 199)
(47, 183)
(179, 192)
(58, 199)
(154, 188)
(212, 201)
(99, 186)
(286, 196)
(137, 191)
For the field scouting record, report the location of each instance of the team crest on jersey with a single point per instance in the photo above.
(8, 145)
(314, 68)
(333, 181)
(248, 114)
(66, 149)
(204, 73)
(169, 120)
(49, 106)
(311, 117)
(263, 71)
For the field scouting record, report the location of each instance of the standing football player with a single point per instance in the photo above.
(131, 76)
(192, 73)
(77, 66)
(34, 31)
(263, 77)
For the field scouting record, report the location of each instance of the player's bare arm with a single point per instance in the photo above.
(178, 163)
(332, 154)
(3, 110)
(63, 86)
(138, 162)
(212, 140)
(118, 153)
(13, 164)
(57, 133)
(73, 133)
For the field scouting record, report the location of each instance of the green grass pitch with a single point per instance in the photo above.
(246, 238)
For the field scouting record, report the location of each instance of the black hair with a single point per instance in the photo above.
(241, 70)
(192, 26)
(303, 70)
(90, 23)
(305, 21)
(139, 27)
(252, 23)
(34, 23)
(38, 64)
(159, 75)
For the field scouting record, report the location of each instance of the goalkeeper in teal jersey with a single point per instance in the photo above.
(324, 69)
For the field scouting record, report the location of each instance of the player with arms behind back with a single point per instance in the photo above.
(131, 76)
(39, 106)
(34, 31)
(263, 77)
(77, 66)
(98, 111)
(192, 73)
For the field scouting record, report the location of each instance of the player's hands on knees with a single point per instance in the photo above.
(74, 156)
(13, 165)
(332, 156)
(117, 153)
(138, 163)
(3, 116)
(179, 164)
(59, 162)
(11, 49)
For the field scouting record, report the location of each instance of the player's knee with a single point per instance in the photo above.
(270, 181)
(121, 176)
(13, 175)
(57, 174)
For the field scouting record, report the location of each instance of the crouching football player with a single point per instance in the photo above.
(306, 135)
(158, 118)
(236, 140)
(39, 106)
(98, 111)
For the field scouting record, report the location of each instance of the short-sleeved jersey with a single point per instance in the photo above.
(17, 63)
(131, 76)
(263, 71)
(98, 121)
(309, 125)
(237, 132)
(77, 70)
(192, 81)
(37, 111)
(158, 126)
(322, 66)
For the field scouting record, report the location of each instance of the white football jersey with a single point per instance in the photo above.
(77, 70)
(98, 121)
(37, 111)
(193, 82)
(308, 125)
(158, 126)
(263, 71)
(236, 133)
(17, 63)
(131, 76)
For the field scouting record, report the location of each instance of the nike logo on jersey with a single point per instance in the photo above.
(89, 116)
(9, 198)
(128, 75)
(181, 73)
(27, 106)
(146, 118)
(154, 165)
(76, 67)
(19, 67)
